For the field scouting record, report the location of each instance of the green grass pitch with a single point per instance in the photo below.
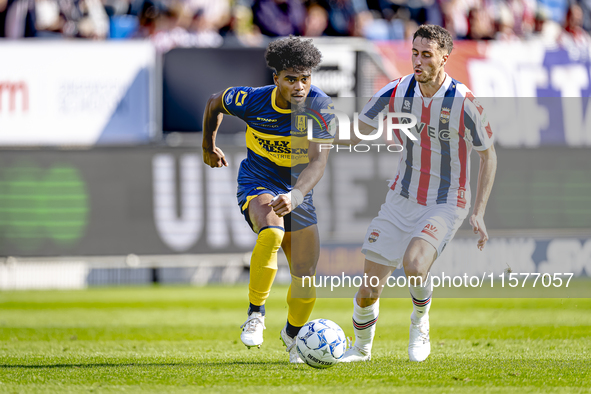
(179, 339)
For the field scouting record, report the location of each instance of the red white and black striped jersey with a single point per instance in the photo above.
(434, 169)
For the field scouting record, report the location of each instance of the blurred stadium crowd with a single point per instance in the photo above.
(215, 23)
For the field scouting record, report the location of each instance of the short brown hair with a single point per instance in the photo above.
(438, 34)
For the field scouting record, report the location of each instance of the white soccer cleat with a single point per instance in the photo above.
(252, 330)
(290, 343)
(419, 346)
(354, 355)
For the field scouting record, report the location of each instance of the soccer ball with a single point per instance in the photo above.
(321, 343)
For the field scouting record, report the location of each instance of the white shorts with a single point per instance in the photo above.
(400, 220)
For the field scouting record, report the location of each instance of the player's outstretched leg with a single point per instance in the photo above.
(302, 251)
(263, 267)
(366, 310)
(418, 259)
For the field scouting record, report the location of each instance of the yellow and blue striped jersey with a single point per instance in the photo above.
(276, 138)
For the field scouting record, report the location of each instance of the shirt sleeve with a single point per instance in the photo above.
(235, 100)
(370, 114)
(476, 122)
(324, 125)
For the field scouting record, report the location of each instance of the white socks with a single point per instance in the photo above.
(364, 323)
(421, 299)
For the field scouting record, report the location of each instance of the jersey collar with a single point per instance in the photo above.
(275, 107)
(442, 89)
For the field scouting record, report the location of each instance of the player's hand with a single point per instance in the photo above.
(214, 157)
(477, 223)
(283, 204)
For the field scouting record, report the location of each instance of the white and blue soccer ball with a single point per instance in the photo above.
(321, 343)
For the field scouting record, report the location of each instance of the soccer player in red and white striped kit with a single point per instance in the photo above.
(430, 196)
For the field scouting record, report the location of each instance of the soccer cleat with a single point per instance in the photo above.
(355, 354)
(252, 330)
(419, 346)
(290, 343)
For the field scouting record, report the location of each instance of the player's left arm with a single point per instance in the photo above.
(310, 176)
(486, 177)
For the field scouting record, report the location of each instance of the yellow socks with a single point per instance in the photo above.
(301, 298)
(263, 263)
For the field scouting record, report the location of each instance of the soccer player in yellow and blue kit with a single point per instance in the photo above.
(275, 181)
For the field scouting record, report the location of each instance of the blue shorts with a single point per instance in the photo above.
(301, 217)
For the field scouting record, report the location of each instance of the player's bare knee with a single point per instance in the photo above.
(414, 270)
(365, 302)
(367, 296)
(301, 270)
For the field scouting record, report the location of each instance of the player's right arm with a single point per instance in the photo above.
(371, 115)
(212, 118)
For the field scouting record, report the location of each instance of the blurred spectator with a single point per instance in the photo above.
(122, 24)
(424, 11)
(455, 15)
(202, 32)
(586, 7)
(278, 18)
(479, 25)
(504, 24)
(213, 15)
(211, 23)
(556, 9)
(573, 34)
(391, 27)
(241, 31)
(171, 28)
(186, 25)
(3, 4)
(94, 22)
(523, 12)
(71, 18)
(345, 17)
(148, 17)
(316, 20)
(18, 18)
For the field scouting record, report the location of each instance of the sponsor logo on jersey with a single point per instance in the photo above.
(266, 120)
(406, 104)
(278, 146)
(445, 113)
(432, 131)
(430, 230)
(373, 237)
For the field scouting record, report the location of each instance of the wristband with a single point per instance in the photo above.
(296, 197)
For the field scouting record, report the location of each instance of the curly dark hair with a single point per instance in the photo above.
(292, 52)
(438, 34)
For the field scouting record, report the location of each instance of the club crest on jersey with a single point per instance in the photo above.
(445, 113)
(301, 122)
(406, 104)
(373, 236)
